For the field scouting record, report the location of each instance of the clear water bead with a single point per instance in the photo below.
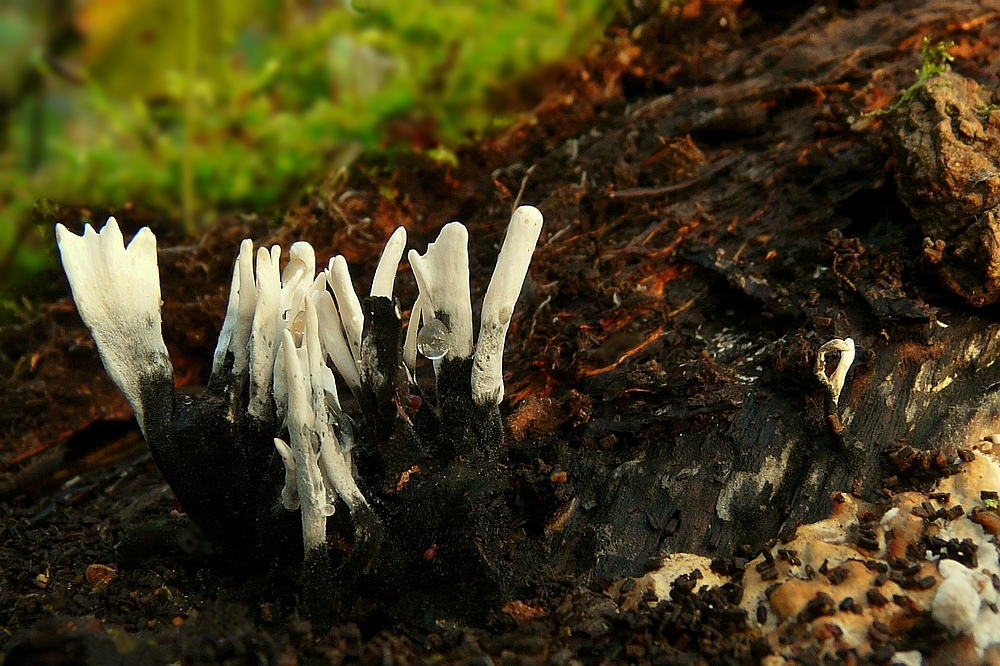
(298, 326)
(432, 340)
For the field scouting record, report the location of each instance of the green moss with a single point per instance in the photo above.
(191, 108)
(935, 61)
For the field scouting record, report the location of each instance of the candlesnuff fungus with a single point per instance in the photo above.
(834, 384)
(270, 435)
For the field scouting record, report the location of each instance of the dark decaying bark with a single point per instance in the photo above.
(717, 207)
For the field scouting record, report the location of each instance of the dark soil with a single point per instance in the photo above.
(716, 207)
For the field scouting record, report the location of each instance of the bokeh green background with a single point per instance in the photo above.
(191, 108)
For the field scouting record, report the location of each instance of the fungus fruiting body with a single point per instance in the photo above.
(834, 383)
(270, 437)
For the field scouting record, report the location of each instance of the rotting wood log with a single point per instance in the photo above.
(701, 247)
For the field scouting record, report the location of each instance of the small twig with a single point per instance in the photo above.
(524, 184)
(650, 339)
(676, 187)
(686, 304)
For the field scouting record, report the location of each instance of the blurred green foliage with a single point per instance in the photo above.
(194, 106)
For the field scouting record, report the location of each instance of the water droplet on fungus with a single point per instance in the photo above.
(432, 340)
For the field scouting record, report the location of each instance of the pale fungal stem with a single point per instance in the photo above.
(320, 458)
(326, 405)
(235, 335)
(410, 342)
(442, 275)
(290, 492)
(117, 292)
(248, 306)
(498, 305)
(334, 343)
(335, 464)
(388, 264)
(301, 430)
(264, 332)
(348, 304)
(834, 383)
(323, 383)
(232, 314)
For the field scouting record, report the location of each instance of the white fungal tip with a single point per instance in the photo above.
(442, 275)
(498, 306)
(264, 332)
(527, 216)
(388, 264)
(235, 334)
(834, 383)
(333, 341)
(348, 304)
(117, 291)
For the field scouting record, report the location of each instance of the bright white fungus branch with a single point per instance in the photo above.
(835, 383)
(442, 275)
(332, 335)
(235, 335)
(117, 292)
(318, 469)
(498, 305)
(348, 304)
(410, 342)
(324, 386)
(388, 264)
(309, 488)
(290, 493)
(264, 331)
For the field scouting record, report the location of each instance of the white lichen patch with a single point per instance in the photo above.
(745, 488)
(887, 389)
(739, 350)
(941, 587)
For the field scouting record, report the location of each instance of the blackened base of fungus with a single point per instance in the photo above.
(383, 385)
(221, 472)
(446, 500)
(441, 522)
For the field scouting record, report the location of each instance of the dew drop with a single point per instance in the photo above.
(432, 340)
(298, 326)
